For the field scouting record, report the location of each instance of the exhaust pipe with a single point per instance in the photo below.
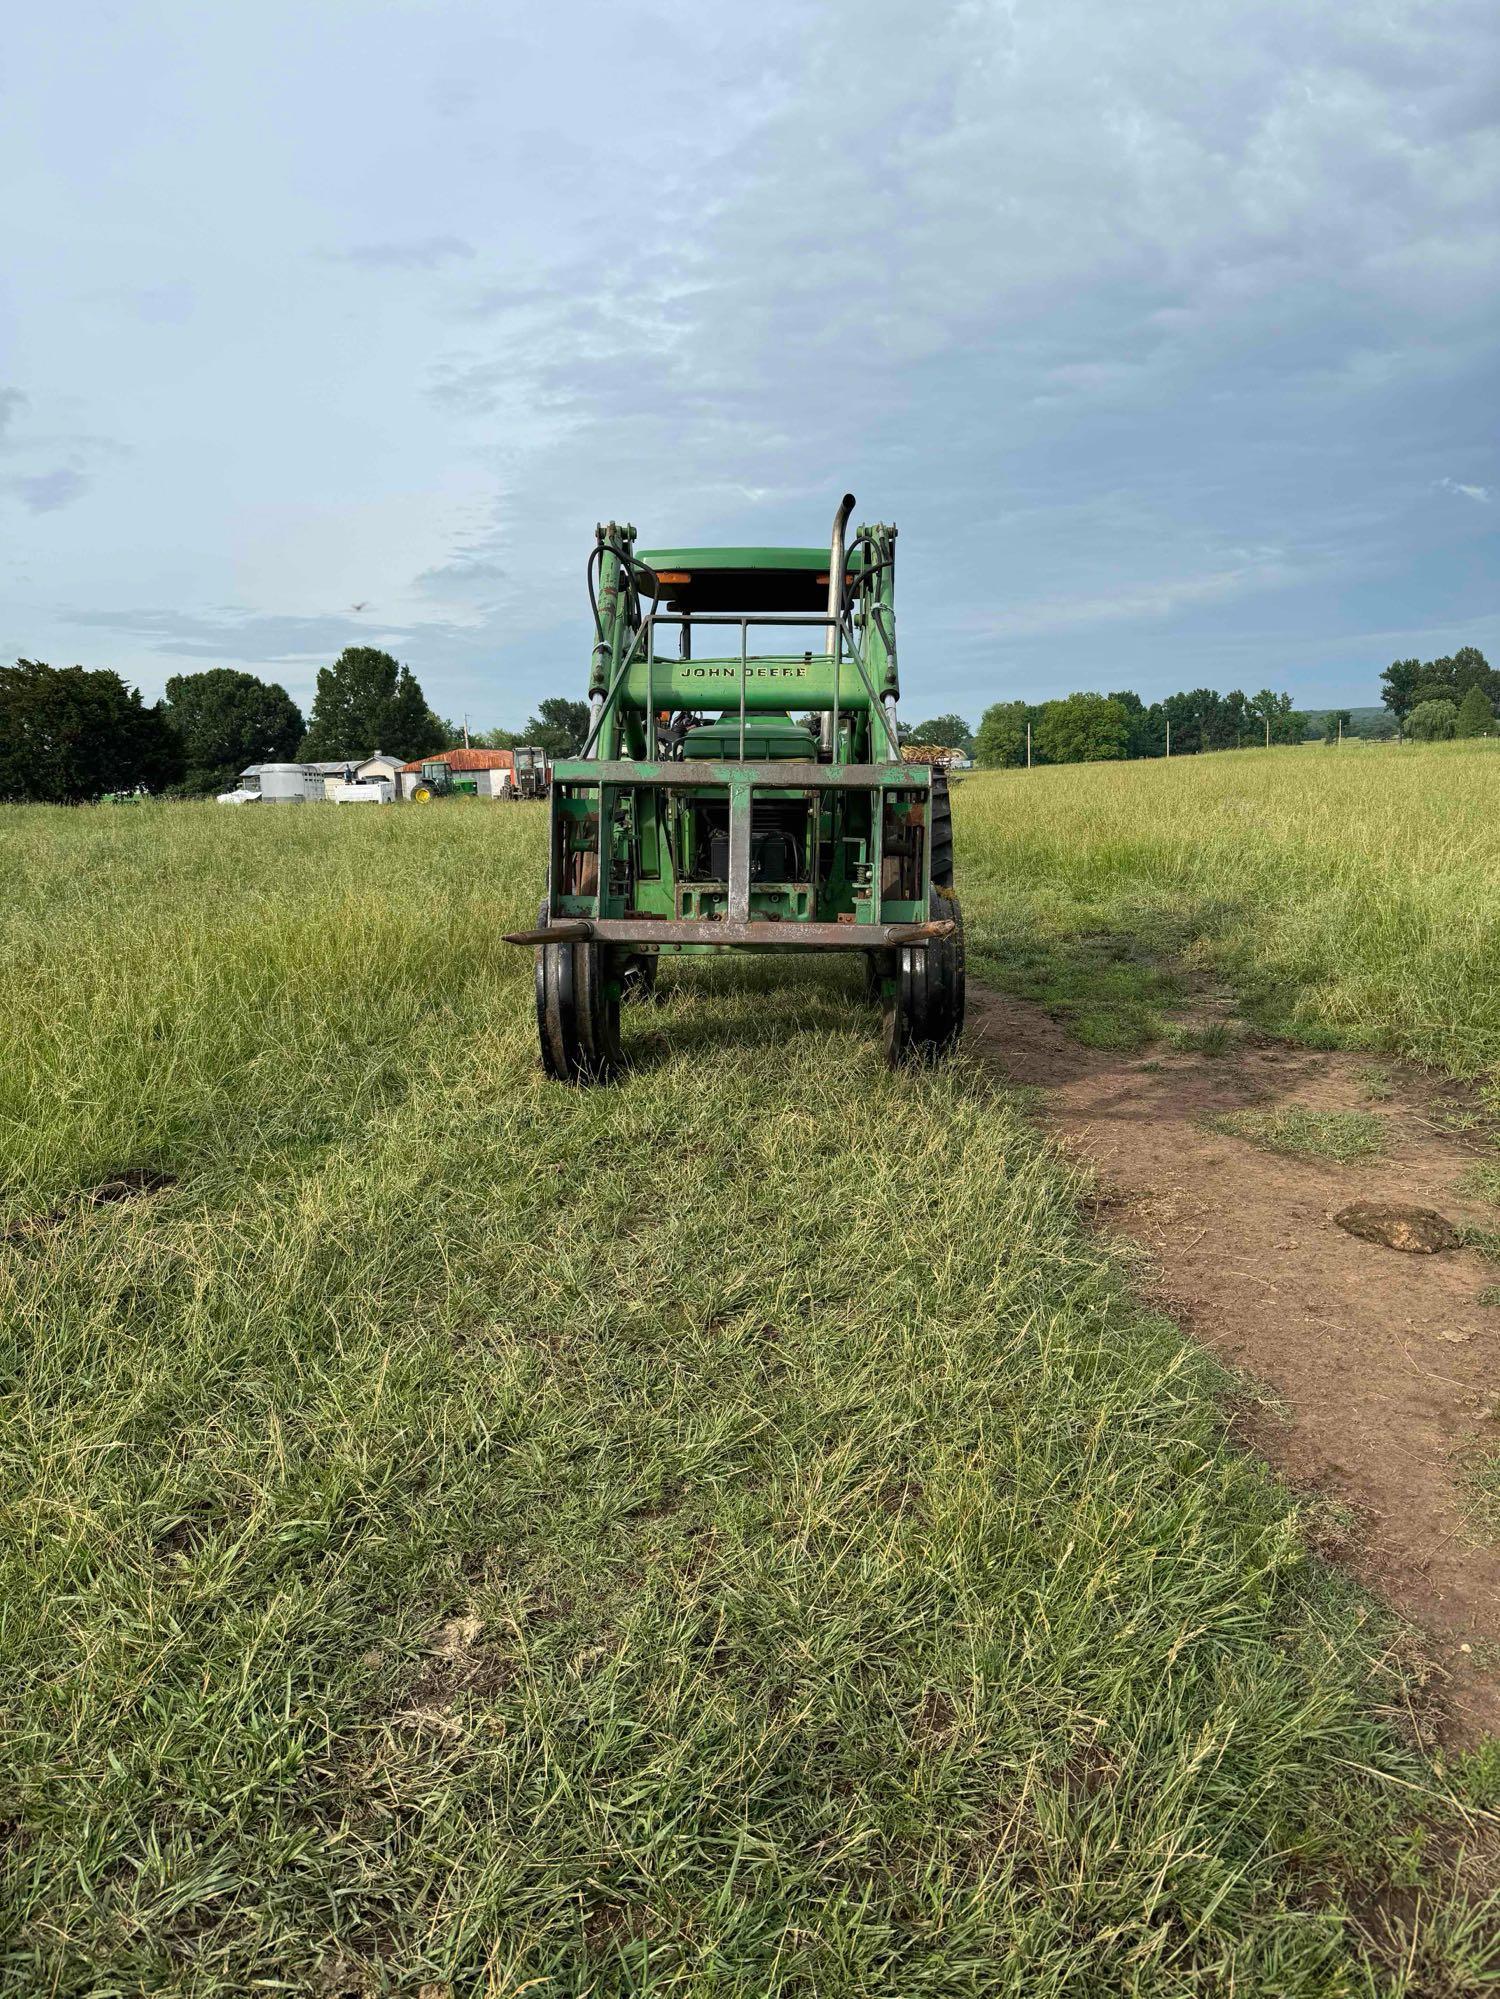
(835, 600)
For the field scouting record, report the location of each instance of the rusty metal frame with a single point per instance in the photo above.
(730, 931)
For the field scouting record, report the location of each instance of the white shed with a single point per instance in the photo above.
(376, 767)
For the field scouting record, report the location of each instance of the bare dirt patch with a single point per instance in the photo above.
(1386, 1367)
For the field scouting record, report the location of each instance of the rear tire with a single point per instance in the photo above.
(926, 1015)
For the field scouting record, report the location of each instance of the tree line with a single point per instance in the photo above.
(69, 734)
(72, 734)
(1103, 728)
(1430, 701)
(1435, 700)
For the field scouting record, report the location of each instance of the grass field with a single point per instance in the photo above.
(731, 1534)
(1350, 895)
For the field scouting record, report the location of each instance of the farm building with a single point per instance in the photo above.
(379, 766)
(304, 783)
(495, 769)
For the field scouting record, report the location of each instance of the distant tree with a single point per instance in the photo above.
(1336, 723)
(1399, 688)
(559, 726)
(948, 732)
(1228, 722)
(1472, 669)
(1084, 728)
(366, 702)
(68, 735)
(1001, 740)
(1476, 715)
(1432, 722)
(1435, 684)
(1273, 713)
(1147, 726)
(1445, 679)
(1187, 713)
(499, 739)
(1374, 728)
(225, 720)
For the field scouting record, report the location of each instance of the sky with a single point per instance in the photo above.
(1166, 334)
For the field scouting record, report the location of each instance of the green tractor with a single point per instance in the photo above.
(438, 780)
(701, 817)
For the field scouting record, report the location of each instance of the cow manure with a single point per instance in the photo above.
(1417, 1231)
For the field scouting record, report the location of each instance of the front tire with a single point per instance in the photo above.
(638, 978)
(942, 830)
(577, 1012)
(926, 1014)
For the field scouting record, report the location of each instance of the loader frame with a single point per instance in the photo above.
(657, 848)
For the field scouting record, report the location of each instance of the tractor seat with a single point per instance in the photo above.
(767, 738)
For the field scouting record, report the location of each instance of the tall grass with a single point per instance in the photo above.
(728, 1534)
(1352, 894)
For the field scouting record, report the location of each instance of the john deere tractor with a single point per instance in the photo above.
(701, 816)
(437, 779)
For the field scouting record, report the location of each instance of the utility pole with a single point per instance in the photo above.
(1268, 729)
(1169, 735)
(1028, 746)
(466, 732)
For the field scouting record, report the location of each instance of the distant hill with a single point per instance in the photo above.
(1362, 722)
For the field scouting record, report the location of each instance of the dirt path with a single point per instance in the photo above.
(1386, 1365)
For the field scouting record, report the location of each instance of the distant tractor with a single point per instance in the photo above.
(438, 780)
(701, 817)
(530, 779)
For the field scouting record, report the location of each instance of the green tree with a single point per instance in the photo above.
(1472, 669)
(1476, 717)
(947, 732)
(1230, 723)
(1399, 687)
(68, 735)
(1084, 728)
(1147, 725)
(1187, 713)
(1432, 722)
(499, 739)
(1336, 723)
(1001, 741)
(1274, 714)
(559, 726)
(226, 719)
(1374, 728)
(366, 702)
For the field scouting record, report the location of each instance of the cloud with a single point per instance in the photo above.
(58, 485)
(1133, 603)
(1108, 312)
(11, 400)
(471, 580)
(272, 639)
(236, 634)
(422, 253)
(1481, 494)
(46, 492)
(998, 267)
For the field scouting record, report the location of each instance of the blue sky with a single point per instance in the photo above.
(1166, 334)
